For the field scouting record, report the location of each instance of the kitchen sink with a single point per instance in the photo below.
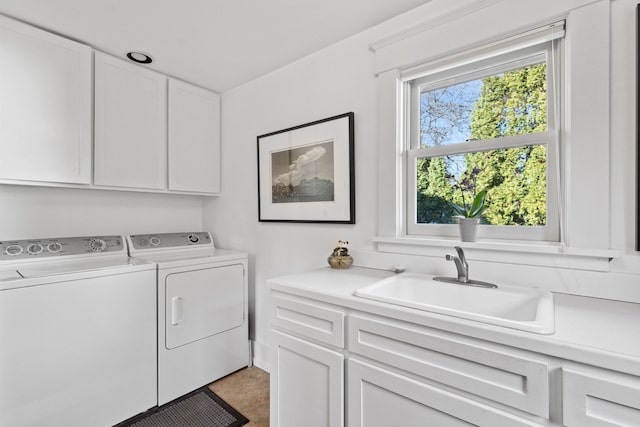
(523, 308)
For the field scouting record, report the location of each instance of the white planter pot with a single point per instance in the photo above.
(468, 229)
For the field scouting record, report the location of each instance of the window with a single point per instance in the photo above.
(580, 188)
(485, 124)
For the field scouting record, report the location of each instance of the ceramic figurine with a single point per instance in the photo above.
(340, 257)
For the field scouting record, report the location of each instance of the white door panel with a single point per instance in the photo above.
(45, 106)
(194, 138)
(202, 303)
(130, 125)
(307, 384)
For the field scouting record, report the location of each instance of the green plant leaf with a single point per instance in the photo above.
(460, 210)
(477, 207)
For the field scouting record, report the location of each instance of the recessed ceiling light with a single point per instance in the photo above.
(140, 57)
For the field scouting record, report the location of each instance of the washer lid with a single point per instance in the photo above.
(33, 270)
(9, 275)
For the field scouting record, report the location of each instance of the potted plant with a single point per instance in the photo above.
(473, 204)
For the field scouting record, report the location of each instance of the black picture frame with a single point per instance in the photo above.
(306, 173)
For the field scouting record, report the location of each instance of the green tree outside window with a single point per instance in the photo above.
(511, 103)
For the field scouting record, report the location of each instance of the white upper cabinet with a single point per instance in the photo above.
(130, 125)
(134, 110)
(150, 132)
(45, 106)
(194, 138)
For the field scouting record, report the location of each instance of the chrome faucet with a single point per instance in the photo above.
(463, 271)
(461, 264)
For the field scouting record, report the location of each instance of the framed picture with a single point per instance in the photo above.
(306, 173)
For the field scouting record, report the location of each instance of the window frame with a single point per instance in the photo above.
(467, 69)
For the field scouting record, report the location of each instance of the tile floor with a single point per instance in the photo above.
(247, 390)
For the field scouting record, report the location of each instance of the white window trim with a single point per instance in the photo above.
(585, 156)
(541, 254)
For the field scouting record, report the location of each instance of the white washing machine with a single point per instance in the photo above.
(77, 332)
(203, 330)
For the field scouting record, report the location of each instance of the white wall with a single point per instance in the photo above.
(341, 79)
(32, 212)
(334, 81)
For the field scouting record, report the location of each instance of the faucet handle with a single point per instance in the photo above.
(460, 252)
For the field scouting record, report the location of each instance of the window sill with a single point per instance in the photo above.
(510, 252)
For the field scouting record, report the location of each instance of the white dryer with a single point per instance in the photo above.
(77, 332)
(203, 330)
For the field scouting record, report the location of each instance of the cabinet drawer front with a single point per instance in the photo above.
(309, 319)
(599, 398)
(380, 398)
(510, 379)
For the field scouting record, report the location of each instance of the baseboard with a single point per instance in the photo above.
(261, 357)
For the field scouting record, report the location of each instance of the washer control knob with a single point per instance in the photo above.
(35, 248)
(14, 250)
(97, 245)
(193, 238)
(54, 247)
(155, 241)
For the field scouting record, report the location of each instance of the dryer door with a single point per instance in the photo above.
(202, 303)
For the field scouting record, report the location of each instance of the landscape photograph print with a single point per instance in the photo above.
(303, 174)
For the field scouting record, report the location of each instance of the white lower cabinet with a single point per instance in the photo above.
(378, 397)
(307, 384)
(599, 398)
(403, 374)
(307, 374)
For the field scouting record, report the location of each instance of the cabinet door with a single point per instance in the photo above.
(381, 398)
(45, 106)
(600, 398)
(130, 125)
(307, 384)
(194, 138)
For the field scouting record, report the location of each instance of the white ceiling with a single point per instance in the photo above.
(218, 44)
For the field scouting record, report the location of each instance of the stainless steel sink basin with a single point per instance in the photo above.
(526, 309)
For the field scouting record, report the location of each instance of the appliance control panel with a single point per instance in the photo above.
(170, 240)
(56, 247)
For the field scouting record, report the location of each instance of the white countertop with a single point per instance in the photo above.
(588, 330)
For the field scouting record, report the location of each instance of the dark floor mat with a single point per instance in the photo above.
(200, 408)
